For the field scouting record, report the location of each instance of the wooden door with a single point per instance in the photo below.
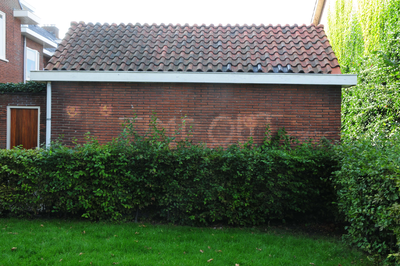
(24, 128)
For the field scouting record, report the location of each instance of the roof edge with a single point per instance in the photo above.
(26, 17)
(47, 53)
(36, 37)
(196, 77)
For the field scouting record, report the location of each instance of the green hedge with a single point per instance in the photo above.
(29, 87)
(183, 183)
(368, 185)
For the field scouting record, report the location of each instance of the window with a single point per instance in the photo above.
(32, 62)
(2, 36)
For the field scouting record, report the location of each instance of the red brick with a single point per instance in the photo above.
(220, 115)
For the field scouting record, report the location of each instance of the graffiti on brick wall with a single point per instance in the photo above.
(226, 129)
(221, 129)
(217, 130)
(72, 111)
(105, 109)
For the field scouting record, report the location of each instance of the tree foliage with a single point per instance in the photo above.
(365, 36)
(366, 39)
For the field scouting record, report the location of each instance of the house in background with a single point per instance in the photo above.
(229, 81)
(24, 46)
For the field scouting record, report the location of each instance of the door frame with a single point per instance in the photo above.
(9, 123)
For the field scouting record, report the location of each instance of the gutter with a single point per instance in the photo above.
(47, 53)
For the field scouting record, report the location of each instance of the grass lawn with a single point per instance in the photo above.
(59, 242)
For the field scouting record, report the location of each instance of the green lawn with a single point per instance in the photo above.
(59, 242)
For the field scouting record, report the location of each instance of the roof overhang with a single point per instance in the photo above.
(26, 17)
(195, 77)
(47, 53)
(34, 36)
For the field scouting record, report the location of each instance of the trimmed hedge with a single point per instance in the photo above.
(184, 183)
(368, 185)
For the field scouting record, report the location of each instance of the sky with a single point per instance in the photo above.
(61, 12)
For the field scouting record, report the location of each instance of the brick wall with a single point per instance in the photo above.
(21, 99)
(45, 61)
(12, 71)
(219, 114)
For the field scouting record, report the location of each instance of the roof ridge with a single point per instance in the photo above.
(75, 23)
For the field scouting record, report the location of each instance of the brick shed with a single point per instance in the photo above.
(228, 81)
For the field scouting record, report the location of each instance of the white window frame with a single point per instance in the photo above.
(3, 37)
(9, 123)
(26, 62)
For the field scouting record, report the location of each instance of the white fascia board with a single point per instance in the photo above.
(195, 77)
(47, 53)
(26, 17)
(30, 34)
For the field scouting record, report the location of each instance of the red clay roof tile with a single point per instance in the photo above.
(248, 48)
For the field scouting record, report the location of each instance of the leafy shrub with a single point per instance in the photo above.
(368, 185)
(182, 182)
(16, 194)
(373, 106)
